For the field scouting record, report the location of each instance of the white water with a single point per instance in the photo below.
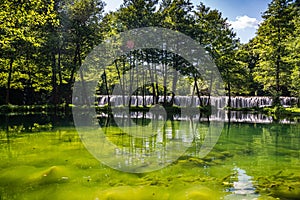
(186, 101)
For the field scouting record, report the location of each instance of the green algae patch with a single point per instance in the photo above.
(283, 185)
(195, 193)
(157, 193)
(15, 176)
(286, 191)
(55, 165)
(54, 174)
(133, 193)
(32, 176)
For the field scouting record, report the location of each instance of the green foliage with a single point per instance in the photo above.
(293, 58)
(21, 36)
(43, 44)
(270, 44)
(21, 22)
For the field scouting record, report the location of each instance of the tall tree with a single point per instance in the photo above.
(272, 71)
(21, 31)
(137, 14)
(69, 42)
(249, 58)
(177, 15)
(293, 57)
(215, 34)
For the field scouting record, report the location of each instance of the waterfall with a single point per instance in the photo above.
(186, 101)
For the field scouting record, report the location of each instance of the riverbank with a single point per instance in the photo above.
(64, 108)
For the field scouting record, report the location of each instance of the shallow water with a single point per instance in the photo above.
(249, 161)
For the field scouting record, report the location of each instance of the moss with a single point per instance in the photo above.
(54, 174)
(195, 193)
(152, 192)
(286, 191)
(133, 193)
(283, 185)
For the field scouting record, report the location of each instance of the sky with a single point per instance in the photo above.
(243, 15)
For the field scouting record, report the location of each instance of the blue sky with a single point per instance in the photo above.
(244, 15)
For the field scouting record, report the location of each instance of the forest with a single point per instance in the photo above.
(44, 42)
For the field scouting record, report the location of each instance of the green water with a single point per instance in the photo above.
(249, 161)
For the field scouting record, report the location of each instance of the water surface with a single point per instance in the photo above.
(44, 159)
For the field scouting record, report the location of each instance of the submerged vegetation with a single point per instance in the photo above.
(54, 164)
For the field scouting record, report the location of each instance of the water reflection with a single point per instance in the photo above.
(193, 133)
(11, 125)
(152, 148)
(243, 188)
(220, 115)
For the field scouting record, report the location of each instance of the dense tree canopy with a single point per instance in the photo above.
(43, 44)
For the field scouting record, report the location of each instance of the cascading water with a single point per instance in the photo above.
(184, 101)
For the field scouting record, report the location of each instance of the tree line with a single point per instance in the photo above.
(43, 43)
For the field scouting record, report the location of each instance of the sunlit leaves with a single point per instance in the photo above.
(272, 71)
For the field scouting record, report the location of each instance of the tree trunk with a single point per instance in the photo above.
(7, 101)
(229, 94)
(59, 66)
(119, 77)
(54, 84)
(150, 69)
(106, 87)
(175, 79)
(76, 60)
(143, 87)
(277, 95)
(131, 76)
(210, 88)
(198, 92)
(157, 89)
(165, 76)
(85, 97)
(137, 78)
(156, 85)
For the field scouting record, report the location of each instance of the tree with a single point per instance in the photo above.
(21, 33)
(249, 58)
(138, 13)
(215, 34)
(177, 15)
(272, 71)
(70, 41)
(293, 58)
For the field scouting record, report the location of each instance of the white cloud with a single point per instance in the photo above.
(243, 22)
